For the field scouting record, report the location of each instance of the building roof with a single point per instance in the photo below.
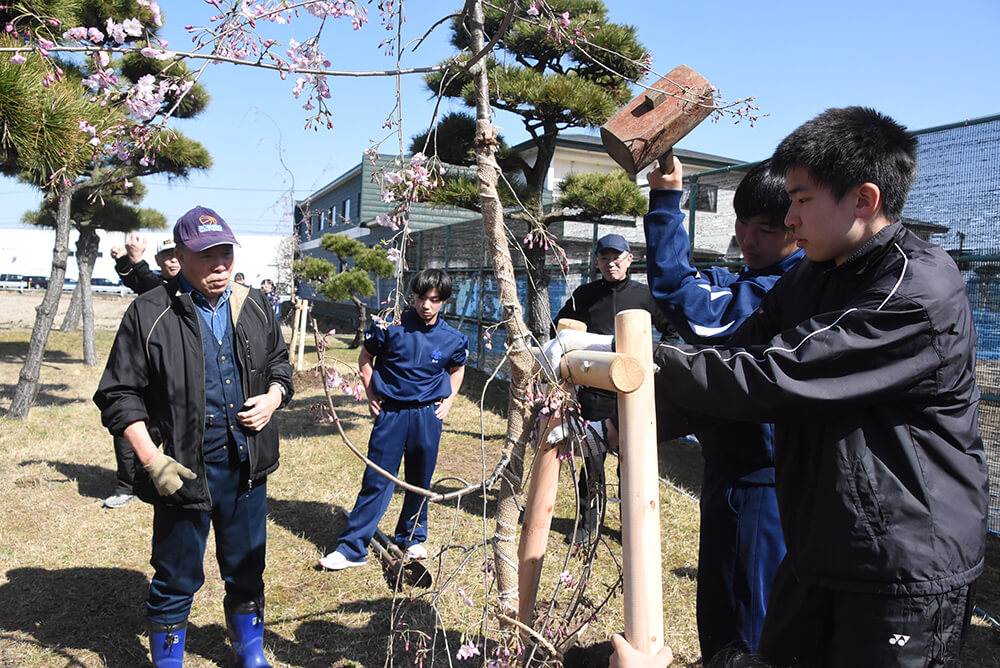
(592, 143)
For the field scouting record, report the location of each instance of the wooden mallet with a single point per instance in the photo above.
(647, 128)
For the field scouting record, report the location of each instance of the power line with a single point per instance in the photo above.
(249, 190)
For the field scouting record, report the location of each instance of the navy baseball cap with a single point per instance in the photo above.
(614, 242)
(202, 228)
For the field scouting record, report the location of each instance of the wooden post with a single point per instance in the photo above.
(538, 509)
(302, 334)
(640, 494)
(292, 347)
(537, 522)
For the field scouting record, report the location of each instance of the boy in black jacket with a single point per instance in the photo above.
(863, 356)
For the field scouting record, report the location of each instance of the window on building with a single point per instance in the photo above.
(332, 215)
(707, 198)
(345, 210)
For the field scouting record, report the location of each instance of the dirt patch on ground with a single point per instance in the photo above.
(18, 310)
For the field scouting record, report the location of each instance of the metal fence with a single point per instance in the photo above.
(955, 203)
(957, 196)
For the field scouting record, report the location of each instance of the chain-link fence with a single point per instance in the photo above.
(956, 201)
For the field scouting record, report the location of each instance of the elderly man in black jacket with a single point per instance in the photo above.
(596, 304)
(198, 368)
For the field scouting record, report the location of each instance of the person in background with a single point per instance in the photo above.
(596, 304)
(267, 289)
(136, 275)
(240, 278)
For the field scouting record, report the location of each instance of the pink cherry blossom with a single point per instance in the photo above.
(116, 31)
(467, 651)
(78, 34)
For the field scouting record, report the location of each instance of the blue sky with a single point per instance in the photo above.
(923, 64)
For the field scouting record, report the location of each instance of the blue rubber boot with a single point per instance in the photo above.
(245, 624)
(166, 644)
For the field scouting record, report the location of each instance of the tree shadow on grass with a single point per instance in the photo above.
(317, 522)
(95, 609)
(15, 352)
(319, 642)
(471, 503)
(93, 482)
(474, 434)
(46, 395)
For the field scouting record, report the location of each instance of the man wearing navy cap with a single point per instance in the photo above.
(597, 304)
(196, 371)
(411, 372)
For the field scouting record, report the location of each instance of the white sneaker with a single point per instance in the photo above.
(416, 551)
(335, 561)
(118, 500)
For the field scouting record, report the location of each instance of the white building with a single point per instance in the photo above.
(28, 251)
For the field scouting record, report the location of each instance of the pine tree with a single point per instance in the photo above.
(49, 123)
(338, 283)
(553, 81)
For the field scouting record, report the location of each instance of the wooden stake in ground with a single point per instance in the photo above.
(538, 508)
(640, 496)
(606, 370)
(300, 364)
(296, 318)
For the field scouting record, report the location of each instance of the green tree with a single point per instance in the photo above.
(552, 82)
(338, 283)
(51, 131)
(114, 211)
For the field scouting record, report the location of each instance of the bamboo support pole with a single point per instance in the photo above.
(640, 507)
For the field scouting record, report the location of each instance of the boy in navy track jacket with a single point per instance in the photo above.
(412, 373)
(741, 543)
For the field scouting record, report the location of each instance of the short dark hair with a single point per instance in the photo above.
(762, 193)
(843, 148)
(426, 279)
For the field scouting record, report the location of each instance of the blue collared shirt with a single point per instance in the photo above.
(214, 318)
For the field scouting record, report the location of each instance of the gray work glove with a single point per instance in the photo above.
(166, 473)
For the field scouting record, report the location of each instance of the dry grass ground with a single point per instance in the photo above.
(73, 576)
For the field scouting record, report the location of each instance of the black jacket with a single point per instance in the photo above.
(867, 371)
(596, 304)
(156, 373)
(137, 277)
